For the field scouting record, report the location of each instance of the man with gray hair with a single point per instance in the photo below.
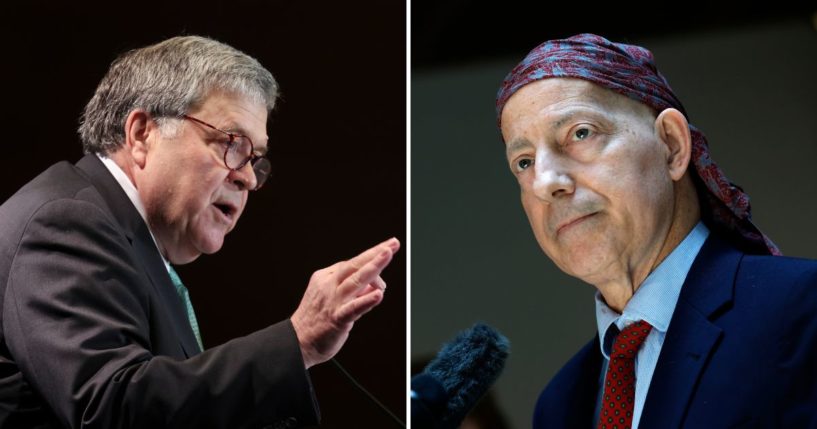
(98, 330)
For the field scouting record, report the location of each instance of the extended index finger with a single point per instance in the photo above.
(364, 277)
(359, 261)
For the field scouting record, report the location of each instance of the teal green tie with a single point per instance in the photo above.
(185, 296)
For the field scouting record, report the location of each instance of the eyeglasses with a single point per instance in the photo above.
(239, 152)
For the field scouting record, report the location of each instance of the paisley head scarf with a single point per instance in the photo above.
(630, 70)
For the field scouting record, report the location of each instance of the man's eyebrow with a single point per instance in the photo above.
(239, 130)
(236, 129)
(571, 114)
(518, 145)
(561, 120)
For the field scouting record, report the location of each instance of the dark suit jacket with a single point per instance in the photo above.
(740, 351)
(93, 333)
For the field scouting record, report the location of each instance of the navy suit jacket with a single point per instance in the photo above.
(740, 351)
(93, 334)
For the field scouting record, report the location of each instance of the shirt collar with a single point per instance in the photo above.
(655, 300)
(133, 195)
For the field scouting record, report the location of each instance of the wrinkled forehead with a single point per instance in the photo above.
(565, 95)
(236, 113)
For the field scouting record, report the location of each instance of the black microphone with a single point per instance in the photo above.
(457, 378)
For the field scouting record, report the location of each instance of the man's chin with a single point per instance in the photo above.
(210, 246)
(587, 265)
(191, 252)
(181, 258)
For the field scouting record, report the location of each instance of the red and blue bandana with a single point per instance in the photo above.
(630, 70)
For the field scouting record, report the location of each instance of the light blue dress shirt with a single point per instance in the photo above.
(653, 302)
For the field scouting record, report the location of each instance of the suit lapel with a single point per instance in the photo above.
(137, 232)
(691, 337)
(582, 396)
(569, 399)
(157, 272)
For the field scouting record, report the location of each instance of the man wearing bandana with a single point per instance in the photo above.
(701, 322)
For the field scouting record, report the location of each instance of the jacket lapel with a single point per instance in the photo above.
(691, 337)
(569, 399)
(582, 396)
(148, 256)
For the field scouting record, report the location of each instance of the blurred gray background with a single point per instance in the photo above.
(749, 82)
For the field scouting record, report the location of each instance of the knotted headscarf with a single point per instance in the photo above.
(630, 70)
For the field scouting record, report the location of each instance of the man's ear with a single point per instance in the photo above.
(138, 129)
(673, 129)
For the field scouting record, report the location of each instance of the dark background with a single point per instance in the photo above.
(337, 143)
(745, 73)
(446, 33)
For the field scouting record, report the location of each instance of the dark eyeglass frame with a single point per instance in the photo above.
(253, 158)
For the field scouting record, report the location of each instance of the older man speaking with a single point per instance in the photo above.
(698, 324)
(98, 331)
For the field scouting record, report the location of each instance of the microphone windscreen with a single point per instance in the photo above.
(466, 367)
(428, 402)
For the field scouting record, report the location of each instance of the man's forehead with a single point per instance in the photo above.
(238, 114)
(552, 103)
(555, 98)
(555, 90)
(564, 96)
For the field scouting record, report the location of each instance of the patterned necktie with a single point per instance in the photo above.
(619, 384)
(188, 305)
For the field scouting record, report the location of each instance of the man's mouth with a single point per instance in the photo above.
(573, 222)
(226, 209)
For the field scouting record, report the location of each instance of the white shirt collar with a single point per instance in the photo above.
(133, 195)
(656, 298)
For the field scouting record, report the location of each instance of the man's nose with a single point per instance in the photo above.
(244, 178)
(552, 180)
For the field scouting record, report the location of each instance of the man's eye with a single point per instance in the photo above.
(523, 164)
(581, 134)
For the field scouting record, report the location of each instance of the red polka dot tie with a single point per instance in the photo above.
(619, 384)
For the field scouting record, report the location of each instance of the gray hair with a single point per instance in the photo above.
(168, 80)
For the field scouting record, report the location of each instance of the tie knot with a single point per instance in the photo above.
(630, 339)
